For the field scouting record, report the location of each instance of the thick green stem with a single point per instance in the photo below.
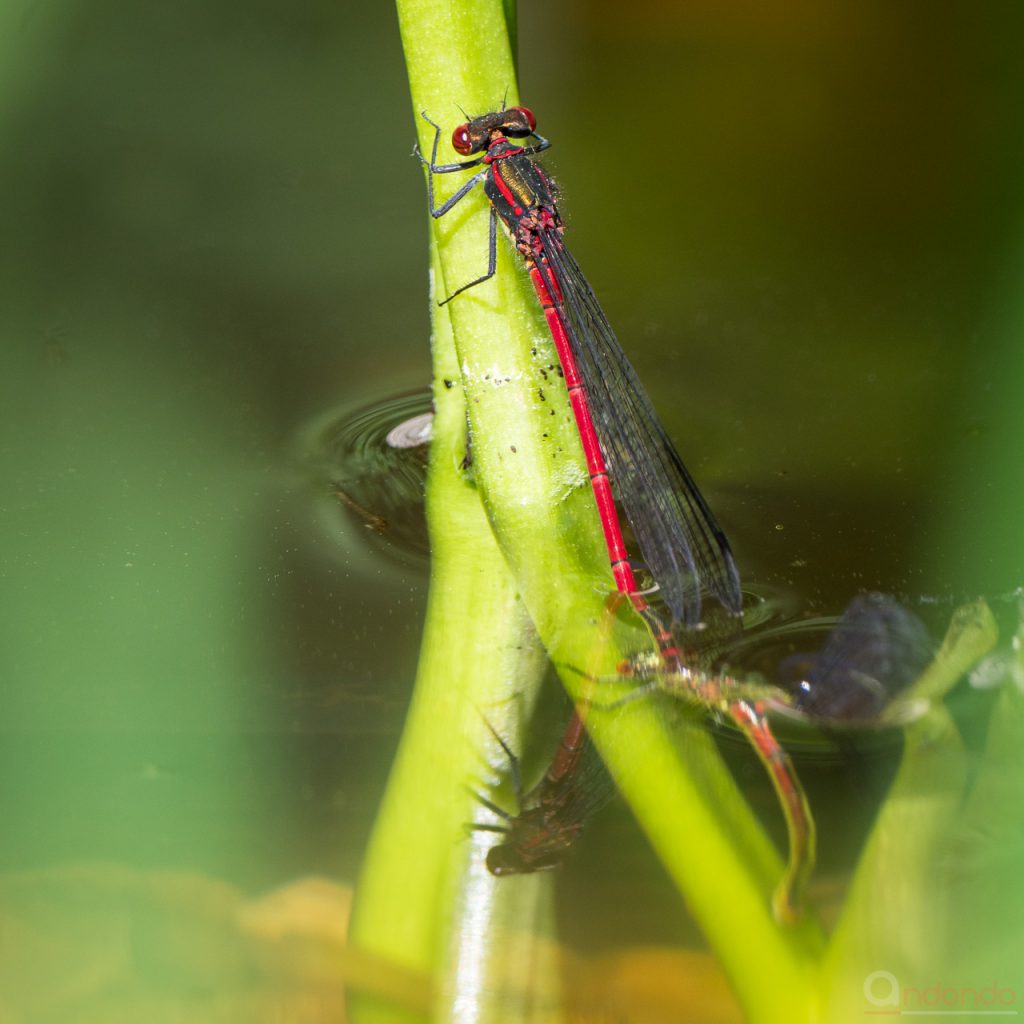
(424, 899)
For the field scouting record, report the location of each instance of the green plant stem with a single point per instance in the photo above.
(424, 886)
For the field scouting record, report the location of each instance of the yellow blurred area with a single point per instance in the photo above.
(102, 944)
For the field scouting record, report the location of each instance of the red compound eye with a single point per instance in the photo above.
(528, 114)
(462, 141)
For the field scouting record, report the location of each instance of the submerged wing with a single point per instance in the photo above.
(682, 544)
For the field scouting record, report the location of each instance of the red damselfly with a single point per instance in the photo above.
(681, 543)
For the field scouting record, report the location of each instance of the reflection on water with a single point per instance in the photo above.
(874, 651)
(373, 461)
(839, 671)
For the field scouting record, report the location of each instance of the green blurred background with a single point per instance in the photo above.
(804, 221)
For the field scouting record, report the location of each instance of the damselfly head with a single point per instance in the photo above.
(474, 135)
(528, 854)
(504, 859)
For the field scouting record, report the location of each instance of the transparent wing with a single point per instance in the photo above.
(682, 544)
